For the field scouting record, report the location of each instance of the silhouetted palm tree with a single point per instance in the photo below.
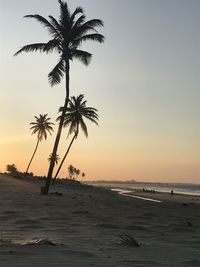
(76, 111)
(77, 172)
(55, 160)
(41, 127)
(67, 35)
(71, 170)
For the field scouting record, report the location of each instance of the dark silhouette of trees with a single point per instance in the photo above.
(12, 169)
(67, 34)
(77, 172)
(41, 127)
(76, 112)
(71, 170)
(55, 160)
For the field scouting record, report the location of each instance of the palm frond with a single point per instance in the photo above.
(93, 23)
(89, 37)
(64, 14)
(81, 55)
(56, 25)
(92, 118)
(57, 73)
(52, 45)
(76, 12)
(52, 30)
(81, 31)
(84, 127)
(73, 128)
(31, 48)
(84, 28)
(78, 22)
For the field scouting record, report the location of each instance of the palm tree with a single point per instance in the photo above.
(67, 35)
(56, 159)
(41, 127)
(71, 170)
(76, 111)
(77, 172)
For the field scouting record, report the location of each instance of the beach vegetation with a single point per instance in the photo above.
(74, 119)
(42, 126)
(71, 170)
(77, 172)
(11, 169)
(66, 37)
(128, 240)
(56, 160)
(73, 173)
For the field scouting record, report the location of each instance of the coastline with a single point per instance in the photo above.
(178, 188)
(83, 227)
(160, 196)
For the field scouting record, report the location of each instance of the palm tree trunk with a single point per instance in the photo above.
(32, 156)
(60, 166)
(60, 126)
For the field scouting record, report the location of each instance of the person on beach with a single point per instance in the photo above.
(172, 193)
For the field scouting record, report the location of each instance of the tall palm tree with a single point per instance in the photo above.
(41, 127)
(76, 111)
(67, 35)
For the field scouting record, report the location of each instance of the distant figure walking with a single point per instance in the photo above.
(172, 193)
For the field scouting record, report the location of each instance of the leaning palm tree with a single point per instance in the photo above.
(76, 111)
(67, 35)
(41, 127)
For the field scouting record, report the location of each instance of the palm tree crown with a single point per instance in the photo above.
(67, 35)
(76, 111)
(73, 118)
(57, 158)
(42, 126)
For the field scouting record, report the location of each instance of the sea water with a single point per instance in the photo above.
(179, 188)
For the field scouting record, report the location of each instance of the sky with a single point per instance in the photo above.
(144, 81)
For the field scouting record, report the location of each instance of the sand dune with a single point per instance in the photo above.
(83, 227)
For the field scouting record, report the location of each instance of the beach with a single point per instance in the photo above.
(82, 225)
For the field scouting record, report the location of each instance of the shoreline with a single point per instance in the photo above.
(178, 188)
(158, 196)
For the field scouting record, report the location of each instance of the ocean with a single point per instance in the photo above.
(179, 188)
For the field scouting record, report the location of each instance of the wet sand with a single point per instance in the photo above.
(83, 227)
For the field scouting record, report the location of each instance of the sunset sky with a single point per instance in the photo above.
(144, 80)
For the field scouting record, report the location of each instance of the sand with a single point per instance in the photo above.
(83, 226)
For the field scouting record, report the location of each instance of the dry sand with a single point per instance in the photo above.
(83, 227)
